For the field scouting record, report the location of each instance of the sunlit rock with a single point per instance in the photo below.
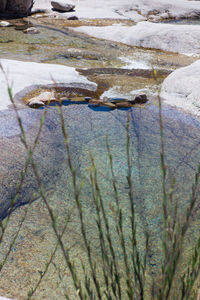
(183, 39)
(24, 75)
(182, 88)
(65, 7)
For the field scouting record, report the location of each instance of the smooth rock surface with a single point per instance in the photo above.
(182, 88)
(65, 7)
(25, 74)
(137, 10)
(183, 39)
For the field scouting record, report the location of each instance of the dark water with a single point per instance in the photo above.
(87, 129)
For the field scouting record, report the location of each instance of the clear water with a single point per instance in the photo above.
(87, 129)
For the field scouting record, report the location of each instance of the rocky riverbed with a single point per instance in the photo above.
(107, 50)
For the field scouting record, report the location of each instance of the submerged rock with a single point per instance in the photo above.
(140, 99)
(65, 7)
(31, 30)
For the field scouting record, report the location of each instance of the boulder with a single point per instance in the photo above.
(3, 5)
(64, 7)
(17, 8)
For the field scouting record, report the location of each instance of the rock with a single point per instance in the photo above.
(3, 5)
(21, 25)
(182, 88)
(4, 24)
(109, 104)
(140, 99)
(44, 98)
(184, 39)
(64, 7)
(72, 18)
(35, 103)
(117, 100)
(94, 102)
(123, 104)
(27, 76)
(88, 98)
(19, 7)
(31, 30)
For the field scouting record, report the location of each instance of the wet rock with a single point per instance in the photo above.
(35, 103)
(140, 99)
(94, 102)
(72, 18)
(109, 104)
(31, 30)
(21, 25)
(64, 7)
(123, 104)
(117, 100)
(4, 24)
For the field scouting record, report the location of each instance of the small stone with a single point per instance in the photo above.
(88, 98)
(123, 104)
(109, 104)
(21, 26)
(95, 102)
(38, 16)
(72, 18)
(64, 7)
(140, 99)
(44, 98)
(35, 103)
(117, 100)
(4, 24)
(31, 30)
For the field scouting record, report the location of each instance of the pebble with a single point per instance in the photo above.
(31, 30)
(4, 24)
(64, 7)
(72, 18)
